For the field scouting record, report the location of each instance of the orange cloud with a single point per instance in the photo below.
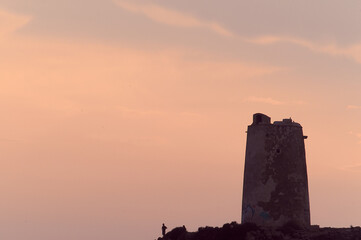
(69, 75)
(357, 135)
(171, 17)
(353, 107)
(10, 22)
(271, 101)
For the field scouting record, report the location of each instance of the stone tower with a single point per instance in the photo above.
(275, 187)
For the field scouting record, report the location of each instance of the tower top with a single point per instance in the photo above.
(262, 119)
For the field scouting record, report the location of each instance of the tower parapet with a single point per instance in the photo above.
(275, 187)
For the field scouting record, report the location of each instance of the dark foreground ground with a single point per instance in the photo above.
(248, 231)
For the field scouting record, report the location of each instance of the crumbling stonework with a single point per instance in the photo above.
(275, 189)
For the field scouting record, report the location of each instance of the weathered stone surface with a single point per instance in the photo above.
(275, 189)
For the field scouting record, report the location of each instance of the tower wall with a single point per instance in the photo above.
(275, 187)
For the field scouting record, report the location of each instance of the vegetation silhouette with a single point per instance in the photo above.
(250, 231)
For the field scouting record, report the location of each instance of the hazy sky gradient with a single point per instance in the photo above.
(119, 115)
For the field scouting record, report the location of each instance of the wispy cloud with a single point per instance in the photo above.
(264, 100)
(351, 168)
(357, 135)
(271, 101)
(172, 17)
(353, 107)
(130, 112)
(352, 51)
(10, 22)
(176, 18)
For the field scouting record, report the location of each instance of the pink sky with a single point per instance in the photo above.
(118, 116)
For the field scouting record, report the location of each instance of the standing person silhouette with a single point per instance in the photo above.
(164, 228)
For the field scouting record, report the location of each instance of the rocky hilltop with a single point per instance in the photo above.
(250, 231)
